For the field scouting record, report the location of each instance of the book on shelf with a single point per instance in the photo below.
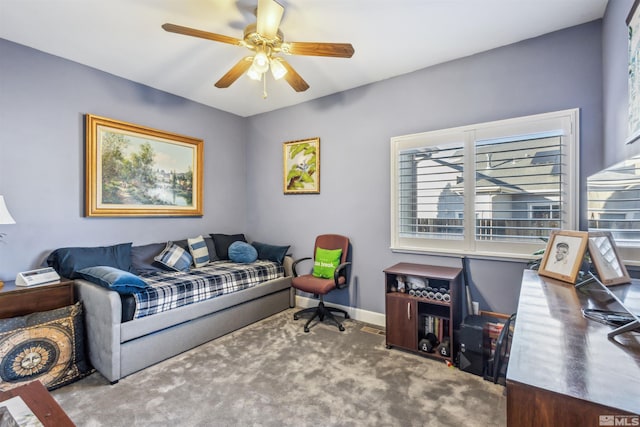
(439, 326)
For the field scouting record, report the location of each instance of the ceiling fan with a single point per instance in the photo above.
(267, 41)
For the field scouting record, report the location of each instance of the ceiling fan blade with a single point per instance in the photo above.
(293, 78)
(235, 72)
(268, 17)
(172, 28)
(338, 50)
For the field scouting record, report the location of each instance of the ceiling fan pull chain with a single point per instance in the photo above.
(264, 85)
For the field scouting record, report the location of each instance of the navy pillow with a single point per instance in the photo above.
(242, 252)
(182, 243)
(211, 248)
(114, 279)
(223, 241)
(67, 261)
(270, 252)
(142, 258)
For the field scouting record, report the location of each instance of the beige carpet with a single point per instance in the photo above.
(273, 374)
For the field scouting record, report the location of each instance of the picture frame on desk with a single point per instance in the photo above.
(606, 259)
(564, 255)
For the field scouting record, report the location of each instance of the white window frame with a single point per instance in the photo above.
(565, 121)
(548, 206)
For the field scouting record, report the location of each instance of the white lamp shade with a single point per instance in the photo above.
(5, 216)
(277, 69)
(261, 62)
(254, 74)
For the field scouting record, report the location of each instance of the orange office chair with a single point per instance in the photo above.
(320, 286)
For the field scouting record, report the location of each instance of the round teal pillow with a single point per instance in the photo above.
(242, 252)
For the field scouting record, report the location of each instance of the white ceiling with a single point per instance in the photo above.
(124, 38)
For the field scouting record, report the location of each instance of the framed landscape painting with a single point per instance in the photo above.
(301, 166)
(133, 170)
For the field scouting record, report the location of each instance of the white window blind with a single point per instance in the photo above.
(518, 188)
(430, 202)
(614, 205)
(494, 188)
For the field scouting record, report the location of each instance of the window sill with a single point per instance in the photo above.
(472, 255)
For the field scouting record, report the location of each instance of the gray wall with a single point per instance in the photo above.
(43, 99)
(615, 54)
(554, 72)
(42, 102)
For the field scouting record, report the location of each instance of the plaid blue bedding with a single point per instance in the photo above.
(168, 290)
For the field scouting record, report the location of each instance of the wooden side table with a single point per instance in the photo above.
(20, 301)
(41, 403)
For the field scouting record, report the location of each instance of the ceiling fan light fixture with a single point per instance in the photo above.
(254, 74)
(260, 62)
(277, 69)
(265, 39)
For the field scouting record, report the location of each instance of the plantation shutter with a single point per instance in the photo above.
(430, 193)
(518, 187)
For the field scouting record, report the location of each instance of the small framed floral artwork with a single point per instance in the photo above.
(301, 166)
(633, 23)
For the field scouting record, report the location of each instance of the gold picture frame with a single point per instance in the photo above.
(301, 166)
(564, 255)
(136, 171)
(605, 258)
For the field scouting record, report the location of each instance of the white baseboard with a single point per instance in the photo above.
(366, 316)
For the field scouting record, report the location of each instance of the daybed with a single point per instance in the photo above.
(118, 346)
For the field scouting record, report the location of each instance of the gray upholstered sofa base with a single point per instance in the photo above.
(118, 349)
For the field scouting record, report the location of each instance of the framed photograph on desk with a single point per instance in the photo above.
(564, 254)
(606, 260)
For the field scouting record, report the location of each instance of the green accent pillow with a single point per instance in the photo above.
(326, 262)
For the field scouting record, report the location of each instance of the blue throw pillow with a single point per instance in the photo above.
(175, 258)
(242, 252)
(67, 261)
(113, 278)
(223, 241)
(199, 251)
(270, 252)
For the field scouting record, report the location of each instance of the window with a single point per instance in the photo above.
(614, 205)
(546, 211)
(491, 189)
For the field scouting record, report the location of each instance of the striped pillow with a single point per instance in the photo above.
(199, 251)
(174, 257)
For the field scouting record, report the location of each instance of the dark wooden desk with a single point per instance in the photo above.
(563, 370)
(41, 403)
